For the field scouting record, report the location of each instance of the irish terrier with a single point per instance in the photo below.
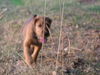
(35, 32)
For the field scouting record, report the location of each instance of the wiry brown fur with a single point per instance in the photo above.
(32, 32)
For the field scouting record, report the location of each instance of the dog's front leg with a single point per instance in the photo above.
(36, 52)
(28, 58)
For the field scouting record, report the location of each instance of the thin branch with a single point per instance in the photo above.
(44, 25)
(60, 32)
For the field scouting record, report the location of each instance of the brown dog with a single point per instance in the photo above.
(35, 33)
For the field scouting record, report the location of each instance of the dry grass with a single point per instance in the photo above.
(80, 34)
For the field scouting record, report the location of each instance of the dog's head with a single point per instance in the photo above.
(42, 26)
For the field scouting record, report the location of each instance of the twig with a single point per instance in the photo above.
(49, 32)
(60, 32)
(76, 48)
(44, 25)
(69, 47)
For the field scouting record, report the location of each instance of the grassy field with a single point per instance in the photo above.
(80, 35)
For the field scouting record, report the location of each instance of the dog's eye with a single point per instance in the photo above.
(40, 25)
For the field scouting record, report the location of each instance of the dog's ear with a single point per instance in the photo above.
(35, 19)
(34, 16)
(48, 21)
